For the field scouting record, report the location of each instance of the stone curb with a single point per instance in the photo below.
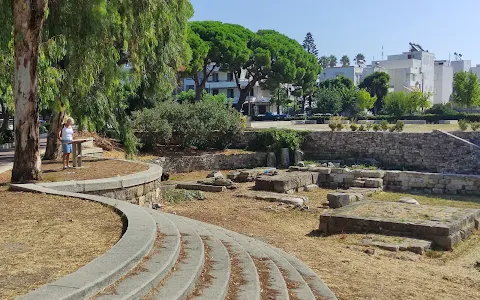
(84, 186)
(104, 270)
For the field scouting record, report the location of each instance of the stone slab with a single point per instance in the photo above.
(200, 187)
(274, 197)
(445, 226)
(398, 244)
(448, 122)
(286, 182)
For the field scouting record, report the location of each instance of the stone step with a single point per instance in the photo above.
(218, 273)
(250, 289)
(155, 266)
(184, 275)
(276, 281)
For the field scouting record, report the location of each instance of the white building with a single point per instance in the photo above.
(220, 82)
(443, 82)
(410, 70)
(461, 66)
(355, 73)
(476, 70)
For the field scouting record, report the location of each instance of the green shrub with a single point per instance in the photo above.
(362, 128)
(475, 126)
(275, 139)
(376, 127)
(204, 124)
(463, 125)
(335, 123)
(368, 126)
(384, 125)
(399, 126)
(353, 127)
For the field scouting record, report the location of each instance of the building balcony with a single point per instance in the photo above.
(221, 84)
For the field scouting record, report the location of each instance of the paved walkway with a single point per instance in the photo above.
(6, 156)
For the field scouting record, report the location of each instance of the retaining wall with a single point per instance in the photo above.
(183, 164)
(438, 151)
(141, 188)
(399, 181)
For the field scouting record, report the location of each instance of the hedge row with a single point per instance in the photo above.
(391, 119)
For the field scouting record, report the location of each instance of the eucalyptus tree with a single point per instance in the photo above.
(93, 39)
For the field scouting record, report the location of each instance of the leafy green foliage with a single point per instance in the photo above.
(332, 61)
(345, 61)
(384, 125)
(441, 109)
(339, 82)
(364, 100)
(376, 127)
(475, 126)
(208, 123)
(463, 125)
(377, 85)
(328, 100)
(336, 123)
(353, 127)
(397, 104)
(359, 59)
(6, 137)
(309, 45)
(399, 126)
(324, 61)
(275, 139)
(466, 89)
(362, 128)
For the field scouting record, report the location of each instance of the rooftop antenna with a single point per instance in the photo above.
(382, 52)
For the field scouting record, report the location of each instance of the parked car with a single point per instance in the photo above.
(274, 117)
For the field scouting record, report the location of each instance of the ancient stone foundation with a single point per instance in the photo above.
(445, 226)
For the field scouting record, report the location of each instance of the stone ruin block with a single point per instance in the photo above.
(337, 200)
(445, 226)
(286, 183)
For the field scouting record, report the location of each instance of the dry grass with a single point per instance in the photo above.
(93, 168)
(340, 259)
(44, 237)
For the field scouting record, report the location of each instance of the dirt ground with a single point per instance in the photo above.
(44, 237)
(340, 260)
(92, 168)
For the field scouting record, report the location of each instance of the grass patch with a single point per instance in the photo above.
(458, 201)
(45, 237)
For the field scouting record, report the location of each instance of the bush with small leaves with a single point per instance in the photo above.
(399, 126)
(391, 129)
(475, 126)
(332, 126)
(362, 128)
(463, 124)
(354, 127)
(368, 126)
(340, 126)
(376, 127)
(335, 123)
(384, 125)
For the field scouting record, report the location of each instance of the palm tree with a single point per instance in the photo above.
(345, 61)
(332, 61)
(324, 61)
(359, 59)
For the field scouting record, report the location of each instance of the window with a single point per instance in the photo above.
(229, 76)
(190, 87)
(410, 56)
(215, 92)
(230, 93)
(252, 93)
(215, 77)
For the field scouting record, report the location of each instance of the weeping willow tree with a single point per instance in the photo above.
(77, 50)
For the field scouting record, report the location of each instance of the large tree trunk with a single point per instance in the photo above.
(243, 97)
(304, 101)
(54, 144)
(28, 22)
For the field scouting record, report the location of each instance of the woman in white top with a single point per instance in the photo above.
(67, 138)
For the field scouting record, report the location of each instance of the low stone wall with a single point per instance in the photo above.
(398, 181)
(437, 151)
(142, 188)
(184, 164)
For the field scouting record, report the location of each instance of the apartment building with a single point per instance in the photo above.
(443, 82)
(355, 73)
(219, 82)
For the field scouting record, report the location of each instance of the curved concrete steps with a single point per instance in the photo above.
(170, 257)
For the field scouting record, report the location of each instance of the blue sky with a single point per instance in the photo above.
(350, 26)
